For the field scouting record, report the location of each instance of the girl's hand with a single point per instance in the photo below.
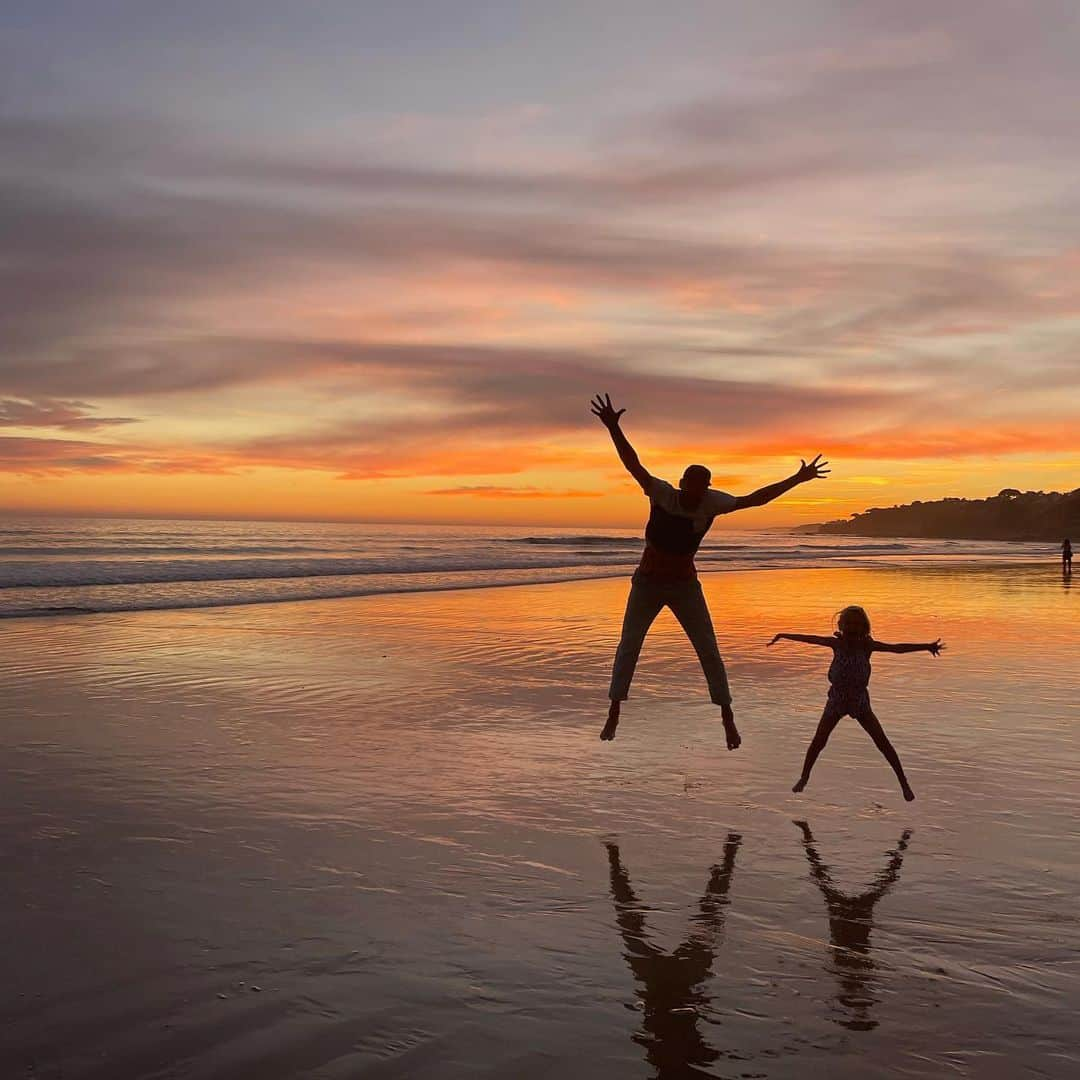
(774, 641)
(935, 647)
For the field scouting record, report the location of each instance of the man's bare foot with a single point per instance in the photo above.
(612, 723)
(799, 785)
(909, 795)
(734, 739)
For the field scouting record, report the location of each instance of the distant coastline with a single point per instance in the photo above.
(1009, 515)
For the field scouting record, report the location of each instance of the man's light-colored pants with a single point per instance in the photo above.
(687, 602)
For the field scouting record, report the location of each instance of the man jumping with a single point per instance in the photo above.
(679, 518)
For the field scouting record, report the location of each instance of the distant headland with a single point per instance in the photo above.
(1009, 515)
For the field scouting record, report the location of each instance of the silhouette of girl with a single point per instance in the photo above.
(849, 679)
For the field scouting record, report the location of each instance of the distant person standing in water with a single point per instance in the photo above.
(1066, 555)
(849, 681)
(678, 520)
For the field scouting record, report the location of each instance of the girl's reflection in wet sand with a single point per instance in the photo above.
(850, 923)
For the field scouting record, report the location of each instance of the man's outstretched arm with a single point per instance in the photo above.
(609, 417)
(811, 471)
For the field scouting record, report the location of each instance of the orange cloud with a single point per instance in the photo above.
(42, 457)
(484, 491)
(901, 444)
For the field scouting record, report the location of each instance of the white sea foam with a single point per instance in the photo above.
(69, 565)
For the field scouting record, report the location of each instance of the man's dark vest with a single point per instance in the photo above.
(672, 533)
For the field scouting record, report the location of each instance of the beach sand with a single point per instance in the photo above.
(380, 838)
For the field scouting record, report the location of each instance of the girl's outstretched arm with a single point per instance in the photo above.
(808, 639)
(932, 647)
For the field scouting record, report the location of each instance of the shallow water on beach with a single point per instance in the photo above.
(379, 837)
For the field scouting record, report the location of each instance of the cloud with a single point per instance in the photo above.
(504, 411)
(71, 415)
(501, 410)
(35, 456)
(99, 244)
(922, 442)
(45, 457)
(160, 155)
(489, 491)
(900, 83)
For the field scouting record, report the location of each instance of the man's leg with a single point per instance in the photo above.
(642, 606)
(688, 605)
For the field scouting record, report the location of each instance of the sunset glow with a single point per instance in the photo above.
(270, 263)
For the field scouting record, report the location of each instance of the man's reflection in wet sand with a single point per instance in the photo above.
(850, 923)
(671, 985)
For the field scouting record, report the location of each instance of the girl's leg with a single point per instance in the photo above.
(872, 726)
(829, 719)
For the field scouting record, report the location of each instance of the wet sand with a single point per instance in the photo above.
(380, 838)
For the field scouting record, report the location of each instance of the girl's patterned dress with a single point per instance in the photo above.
(849, 677)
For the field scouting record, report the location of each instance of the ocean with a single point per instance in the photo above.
(65, 566)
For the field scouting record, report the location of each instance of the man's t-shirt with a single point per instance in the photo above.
(673, 534)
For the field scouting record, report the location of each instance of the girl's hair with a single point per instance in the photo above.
(853, 620)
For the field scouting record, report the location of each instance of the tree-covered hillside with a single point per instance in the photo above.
(1009, 515)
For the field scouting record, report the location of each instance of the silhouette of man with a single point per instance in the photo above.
(851, 918)
(679, 518)
(1066, 555)
(671, 983)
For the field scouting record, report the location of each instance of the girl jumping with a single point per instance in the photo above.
(849, 680)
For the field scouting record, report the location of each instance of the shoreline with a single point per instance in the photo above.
(970, 561)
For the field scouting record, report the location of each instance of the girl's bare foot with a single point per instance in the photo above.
(799, 785)
(612, 723)
(909, 795)
(734, 739)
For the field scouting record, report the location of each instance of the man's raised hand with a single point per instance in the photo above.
(602, 408)
(812, 471)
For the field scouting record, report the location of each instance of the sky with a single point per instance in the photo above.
(369, 261)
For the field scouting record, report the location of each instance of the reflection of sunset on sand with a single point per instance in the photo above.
(384, 813)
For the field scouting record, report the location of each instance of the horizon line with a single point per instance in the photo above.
(10, 512)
